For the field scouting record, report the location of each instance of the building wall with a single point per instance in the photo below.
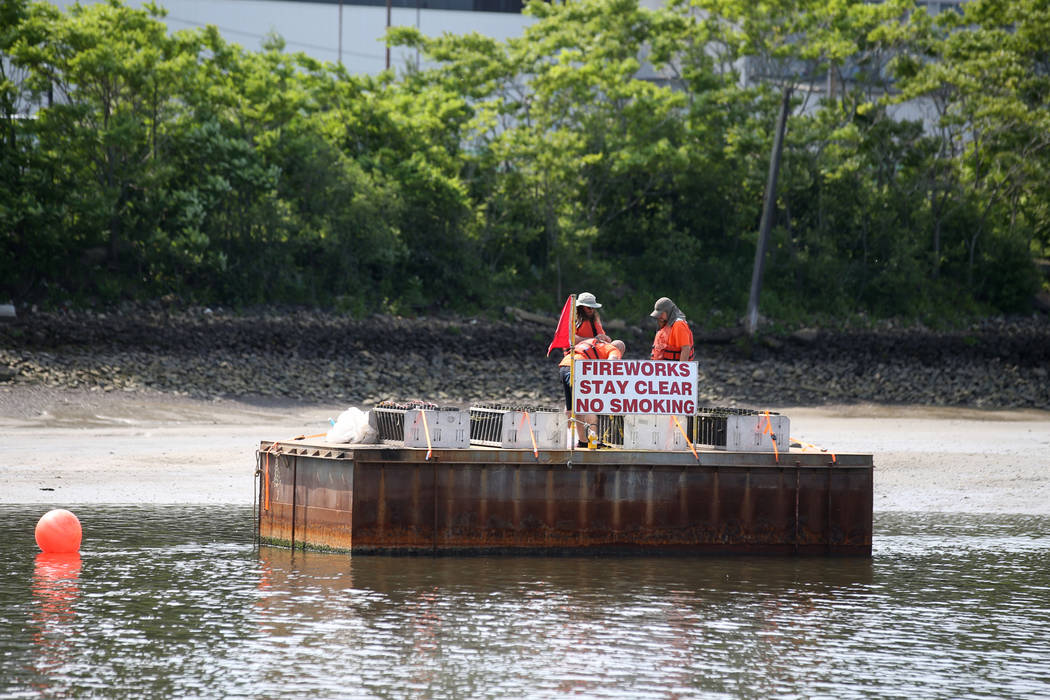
(313, 27)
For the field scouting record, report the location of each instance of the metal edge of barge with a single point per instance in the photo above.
(383, 499)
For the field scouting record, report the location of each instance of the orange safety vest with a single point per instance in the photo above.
(594, 331)
(663, 351)
(591, 349)
(587, 328)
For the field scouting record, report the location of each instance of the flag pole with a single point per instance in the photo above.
(572, 374)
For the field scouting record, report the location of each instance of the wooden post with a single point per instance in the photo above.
(572, 377)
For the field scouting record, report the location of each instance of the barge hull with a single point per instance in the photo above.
(395, 501)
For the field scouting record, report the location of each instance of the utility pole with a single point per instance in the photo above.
(767, 214)
(340, 32)
(388, 29)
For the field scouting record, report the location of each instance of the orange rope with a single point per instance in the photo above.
(426, 431)
(266, 479)
(525, 421)
(687, 441)
(275, 449)
(772, 436)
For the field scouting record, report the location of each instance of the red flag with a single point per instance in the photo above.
(561, 336)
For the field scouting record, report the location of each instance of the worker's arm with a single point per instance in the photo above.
(683, 338)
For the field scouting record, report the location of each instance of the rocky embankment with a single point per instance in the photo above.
(327, 358)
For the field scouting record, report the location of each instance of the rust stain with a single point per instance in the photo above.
(381, 502)
(649, 506)
(450, 504)
(416, 498)
(516, 499)
(390, 501)
(483, 501)
(548, 524)
(582, 500)
(683, 499)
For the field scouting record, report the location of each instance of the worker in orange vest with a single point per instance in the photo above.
(674, 339)
(588, 321)
(589, 349)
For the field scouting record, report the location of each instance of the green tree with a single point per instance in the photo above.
(610, 147)
(105, 78)
(987, 70)
(822, 241)
(564, 139)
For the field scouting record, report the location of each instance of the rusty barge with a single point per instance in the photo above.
(391, 499)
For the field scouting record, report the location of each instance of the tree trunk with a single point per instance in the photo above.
(767, 213)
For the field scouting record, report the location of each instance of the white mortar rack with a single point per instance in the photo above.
(422, 424)
(517, 427)
(741, 430)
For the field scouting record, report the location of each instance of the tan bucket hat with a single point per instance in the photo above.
(587, 299)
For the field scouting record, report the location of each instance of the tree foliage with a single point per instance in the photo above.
(610, 147)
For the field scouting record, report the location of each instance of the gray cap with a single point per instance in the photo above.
(587, 299)
(663, 305)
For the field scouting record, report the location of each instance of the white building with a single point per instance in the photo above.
(351, 30)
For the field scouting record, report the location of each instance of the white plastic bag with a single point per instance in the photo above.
(353, 427)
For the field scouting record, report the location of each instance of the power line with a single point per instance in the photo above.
(316, 47)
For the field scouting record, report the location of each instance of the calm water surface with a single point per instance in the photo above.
(174, 601)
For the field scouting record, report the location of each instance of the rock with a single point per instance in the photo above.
(772, 342)
(805, 335)
(1041, 301)
(523, 315)
(322, 357)
(718, 336)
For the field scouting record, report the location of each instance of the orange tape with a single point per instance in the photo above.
(426, 431)
(525, 420)
(266, 479)
(687, 441)
(772, 436)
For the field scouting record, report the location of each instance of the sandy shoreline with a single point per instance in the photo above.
(67, 447)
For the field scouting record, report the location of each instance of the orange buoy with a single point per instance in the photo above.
(58, 532)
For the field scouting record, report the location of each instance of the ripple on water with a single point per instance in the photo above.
(177, 601)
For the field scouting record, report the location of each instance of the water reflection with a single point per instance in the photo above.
(55, 591)
(569, 625)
